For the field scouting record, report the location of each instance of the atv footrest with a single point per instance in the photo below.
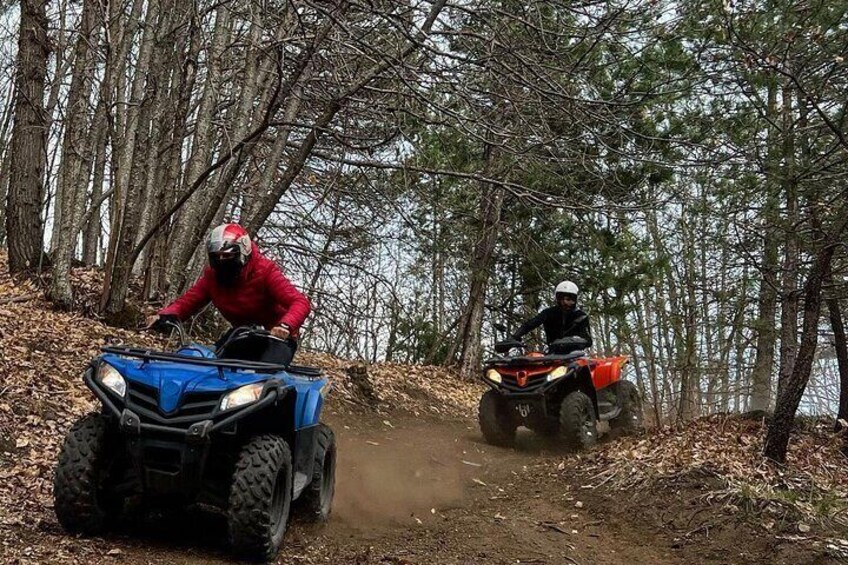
(608, 411)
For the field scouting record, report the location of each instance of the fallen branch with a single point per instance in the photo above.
(22, 298)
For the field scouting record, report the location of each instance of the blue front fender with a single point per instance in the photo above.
(309, 404)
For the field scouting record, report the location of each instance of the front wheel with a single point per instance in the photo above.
(82, 498)
(577, 421)
(496, 422)
(260, 497)
(630, 418)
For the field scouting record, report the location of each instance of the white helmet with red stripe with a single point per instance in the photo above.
(230, 238)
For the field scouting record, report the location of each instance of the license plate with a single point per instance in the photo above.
(524, 409)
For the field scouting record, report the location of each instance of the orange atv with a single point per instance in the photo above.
(560, 392)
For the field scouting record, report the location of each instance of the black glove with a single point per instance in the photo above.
(165, 322)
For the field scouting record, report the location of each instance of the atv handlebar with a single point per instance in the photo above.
(563, 345)
(507, 344)
(164, 323)
(244, 332)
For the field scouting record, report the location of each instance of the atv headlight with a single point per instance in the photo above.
(557, 373)
(494, 376)
(112, 379)
(241, 396)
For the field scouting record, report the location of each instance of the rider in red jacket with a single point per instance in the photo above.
(247, 288)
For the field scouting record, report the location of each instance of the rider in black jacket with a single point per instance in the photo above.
(563, 320)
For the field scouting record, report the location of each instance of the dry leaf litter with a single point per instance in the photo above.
(726, 451)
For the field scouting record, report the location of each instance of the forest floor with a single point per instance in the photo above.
(416, 484)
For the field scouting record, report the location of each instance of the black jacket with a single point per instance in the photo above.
(559, 324)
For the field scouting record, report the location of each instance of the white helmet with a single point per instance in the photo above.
(566, 287)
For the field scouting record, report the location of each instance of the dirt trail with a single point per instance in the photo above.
(413, 491)
(423, 491)
(433, 492)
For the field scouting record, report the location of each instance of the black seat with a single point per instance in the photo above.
(305, 371)
(573, 355)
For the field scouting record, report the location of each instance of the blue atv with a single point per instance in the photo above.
(200, 426)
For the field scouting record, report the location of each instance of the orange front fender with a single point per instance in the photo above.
(608, 370)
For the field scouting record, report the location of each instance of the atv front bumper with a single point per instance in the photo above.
(528, 407)
(199, 431)
(169, 458)
(530, 402)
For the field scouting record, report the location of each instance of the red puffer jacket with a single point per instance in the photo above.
(263, 295)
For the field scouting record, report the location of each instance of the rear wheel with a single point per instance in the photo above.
(260, 497)
(83, 500)
(317, 499)
(577, 421)
(496, 422)
(630, 418)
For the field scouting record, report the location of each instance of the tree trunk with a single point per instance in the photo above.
(5, 158)
(468, 336)
(202, 145)
(761, 374)
(62, 60)
(91, 236)
(281, 143)
(838, 326)
(128, 187)
(789, 282)
(5, 165)
(117, 129)
(173, 170)
(120, 32)
(172, 77)
(198, 219)
(24, 229)
(690, 381)
(791, 389)
(75, 165)
(647, 346)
